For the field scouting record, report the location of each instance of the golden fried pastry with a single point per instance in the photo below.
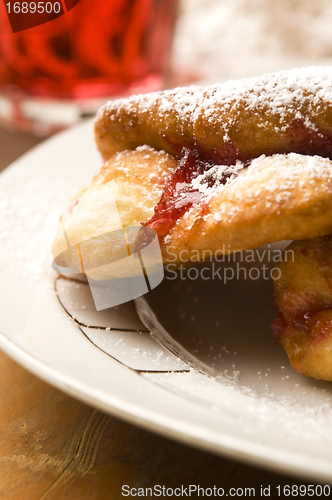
(284, 112)
(303, 294)
(235, 165)
(123, 193)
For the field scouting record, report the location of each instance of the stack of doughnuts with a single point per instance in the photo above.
(235, 165)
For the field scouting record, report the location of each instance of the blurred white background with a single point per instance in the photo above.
(221, 39)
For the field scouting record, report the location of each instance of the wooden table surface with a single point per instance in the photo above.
(54, 447)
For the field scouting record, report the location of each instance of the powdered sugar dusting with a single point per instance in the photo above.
(144, 169)
(275, 181)
(22, 217)
(216, 178)
(277, 178)
(276, 94)
(280, 95)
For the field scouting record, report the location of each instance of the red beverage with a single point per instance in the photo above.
(97, 50)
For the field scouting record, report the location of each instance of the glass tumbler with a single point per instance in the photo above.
(82, 53)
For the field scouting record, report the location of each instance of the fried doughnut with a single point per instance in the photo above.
(135, 182)
(243, 164)
(284, 112)
(303, 294)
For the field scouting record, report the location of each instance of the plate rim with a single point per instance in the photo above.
(278, 461)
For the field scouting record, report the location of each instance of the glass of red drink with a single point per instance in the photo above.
(53, 74)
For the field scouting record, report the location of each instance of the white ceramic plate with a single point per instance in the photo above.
(209, 374)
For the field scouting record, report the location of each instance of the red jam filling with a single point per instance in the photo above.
(278, 326)
(179, 194)
(300, 321)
